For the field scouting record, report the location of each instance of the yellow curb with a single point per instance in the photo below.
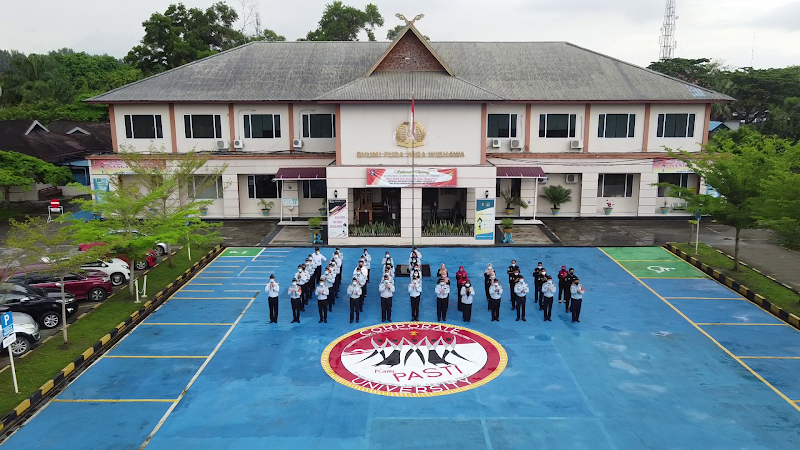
(23, 406)
(104, 340)
(47, 386)
(88, 353)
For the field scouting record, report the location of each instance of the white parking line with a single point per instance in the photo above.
(259, 254)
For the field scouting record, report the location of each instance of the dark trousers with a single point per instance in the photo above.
(547, 302)
(486, 285)
(563, 289)
(537, 294)
(441, 309)
(521, 302)
(368, 271)
(322, 306)
(273, 309)
(354, 303)
(297, 305)
(386, 309)
(567, 298)
(415, 308)
(494, 307)
(513, 296)
(363, 296)
(305, 292)
(331, 300)
(576, 309)
(459, 305)
(466, 310)
(317, 273)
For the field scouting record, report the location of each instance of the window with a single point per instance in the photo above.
(678, 179)
(557, 125)
(262, 126)
(319, 125)
(199, 126)
(615, 185)
(516, 186)
(143, 127)
(675, 125)
(263, 186)
(206, 187)
(616, 125)
(315, 189)
(502, 126)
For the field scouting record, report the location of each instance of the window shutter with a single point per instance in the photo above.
(217, 126)
(333, 125)
(660, 130)
(690, 129)
(572, 120)
(251, 186)
(187, 125)
(601, 123)
(247, 127)
(159, 132)
(128, 127)
(305, 125)
(631, 124)
(277, 119)
(542, 124)
(513, 126)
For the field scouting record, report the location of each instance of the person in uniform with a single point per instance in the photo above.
(488, 275)
(387, 260)
(362, 281)
(548, 291)
(322, 301)
(442, 296)
(541, 280)
(273, 289)
(537, 287)
(295, 295)
(311, 269)
(512, 280)
(495, 293)
(571, 277)
(576, 293)
(329, 278)
(442, 273)
(302, 278)
(387, 291)
(367, 261)
(415, 291)
(354, 292)
(521, 289)
(318, 259)
(418, 253)
(563, 285)
(467, 296)
(461, 277)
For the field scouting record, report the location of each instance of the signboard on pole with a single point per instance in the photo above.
(402, 177)
(484, 220)
(7, 322)
(337, 219)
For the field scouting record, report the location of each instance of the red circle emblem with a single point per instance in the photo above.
(414, 359)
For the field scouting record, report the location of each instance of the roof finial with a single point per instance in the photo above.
(409, 22)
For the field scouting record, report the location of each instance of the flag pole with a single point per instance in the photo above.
(413, 168)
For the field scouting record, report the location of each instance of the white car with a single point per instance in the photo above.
(27, 331)
(160, 248)
(118, 270)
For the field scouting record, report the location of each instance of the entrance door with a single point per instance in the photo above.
(362, 199)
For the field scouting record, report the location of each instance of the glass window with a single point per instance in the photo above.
(202, 126)
(263, 186)
(675, 125)
(262, 126)
(319, 125)
(143, 126)
(616, 125)
(315, 189)
(557, 125)
(615, 185)
(206, 187)
(678, 179)
(501, 126)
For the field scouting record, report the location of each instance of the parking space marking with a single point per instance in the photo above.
(248, 284)
(769, 357)
(746, 324)
(203, 284)
(669, 278)
(217, 271)
(706, 298)
(646, 260)
(194, 290)
(227, 278)
(114, 400)
(184, 323)
(241, 290)
(211, 298)
(154, 356)
(259, 254)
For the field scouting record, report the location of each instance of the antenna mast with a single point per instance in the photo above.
(667, 39)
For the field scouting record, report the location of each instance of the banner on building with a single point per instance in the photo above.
(100, 186)
(484, 220)
(337, 219)
(669, 165)
(403, 177)
(119, 167)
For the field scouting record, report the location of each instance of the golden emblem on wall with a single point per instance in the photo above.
(403, 135)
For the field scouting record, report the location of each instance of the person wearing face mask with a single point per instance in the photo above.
(387, 260)
(362, 282)
(541, 279)
(488, 275)
(515, 277)
(328, 278)
(511, 280)
(311, 269)
(536, 286)
(442, 296)
(467, 296)
(442, 273)
(354, 292)
(367, 261)
(318, 259)
(300, 276)
(576, 293)
(418, 253)
(521, 289)
(548, 291)
(297, 302)
(461, 277)
(272, 289)
(322, 301)
(570, 279)
(495, 293)
(415, 291)
(387, 292)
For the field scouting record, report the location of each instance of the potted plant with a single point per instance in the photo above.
(266, 206)
(665, 208)
(556, 195)
(203, 210)
(315, 223)
(512, 201)
(507, 224)
(609, 206)
(323, 211)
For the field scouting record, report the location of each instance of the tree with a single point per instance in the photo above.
(35, 78)
(343, 23)
(393, 32)
(51, 242)
(784, 120)
(182, 35)
(699, 71)
(757, 90)
(267, 35)
(736, 165)
(779, 209)
(20, 170)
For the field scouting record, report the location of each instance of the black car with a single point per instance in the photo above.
(54, 294)
(45, 310)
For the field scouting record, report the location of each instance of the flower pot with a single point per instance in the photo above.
(323, 212)
(664, 209)
(607, 210)
(265, 212)
(555, 211)
(97, 215)
(509, 211)
(508, 230)
(203, 212)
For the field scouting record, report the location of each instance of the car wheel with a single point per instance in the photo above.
(141, 265)
(20, 346)
(160, 251)
(97, 294)
(50, 320)
(117, 279)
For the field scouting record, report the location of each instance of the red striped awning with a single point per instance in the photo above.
(300, 173)
(520, 172)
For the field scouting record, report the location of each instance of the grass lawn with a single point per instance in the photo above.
(772, 291)
(48, 359)
(12, 211)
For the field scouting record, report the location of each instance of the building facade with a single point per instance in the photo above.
(327, 126)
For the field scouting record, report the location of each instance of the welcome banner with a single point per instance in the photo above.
(403, 177)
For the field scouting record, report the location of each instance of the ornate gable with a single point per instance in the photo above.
(410, 51)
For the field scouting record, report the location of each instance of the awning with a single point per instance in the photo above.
(300, 173)
(520, 172)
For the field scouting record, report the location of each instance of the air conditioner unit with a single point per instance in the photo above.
(544, 180)
(572, 178)
(496, 143)
(575, 144)
(222, 144)
(238, 144)
(297, 143)
(516, 143)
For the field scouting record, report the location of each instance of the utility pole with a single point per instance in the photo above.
(667, 40)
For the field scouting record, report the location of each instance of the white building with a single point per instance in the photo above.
(304, 122)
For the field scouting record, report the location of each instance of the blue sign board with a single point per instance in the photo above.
(7, 323)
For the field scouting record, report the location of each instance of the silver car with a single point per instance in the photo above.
(27, 331)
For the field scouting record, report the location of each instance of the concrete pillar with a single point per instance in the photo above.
(648, 195)
(230, 195)
(406, 208)
(471, 195)
(589, 194)
(528, 195)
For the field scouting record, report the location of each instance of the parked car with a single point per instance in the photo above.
(46, 311)
(115, 268)
(53, 294)
(27, 331)
(92, 287)
(147, 261)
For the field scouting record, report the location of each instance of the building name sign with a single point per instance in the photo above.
(417, 154)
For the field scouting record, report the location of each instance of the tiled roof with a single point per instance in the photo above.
(49, 146)
(520, 172)
(301, 173)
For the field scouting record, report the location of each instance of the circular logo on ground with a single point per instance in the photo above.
(414, 359)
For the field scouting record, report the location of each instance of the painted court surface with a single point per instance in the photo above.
(664, 357)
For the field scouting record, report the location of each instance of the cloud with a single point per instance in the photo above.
(784, 17)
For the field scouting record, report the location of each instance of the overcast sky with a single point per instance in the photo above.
(625, 29)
